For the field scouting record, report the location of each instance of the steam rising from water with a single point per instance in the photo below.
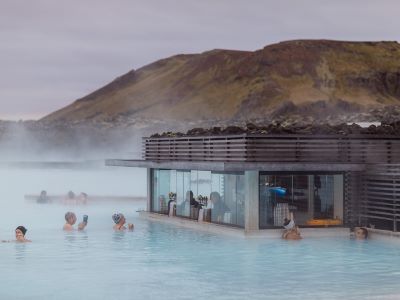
(108, 181)
(38, 141)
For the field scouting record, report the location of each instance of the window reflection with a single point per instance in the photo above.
(314, 199)
(200, 195)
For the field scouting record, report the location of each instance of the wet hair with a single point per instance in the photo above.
(286, 222)
(215, 196)
(22, 228)
(365, 231)
(190, 194)
(68, 215)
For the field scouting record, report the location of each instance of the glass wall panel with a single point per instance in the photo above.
(227, 199)
(299, 203)
(200, 195)
(204, 184)
(316, 200)
(183, 190)
(161, 187)
(155, 191)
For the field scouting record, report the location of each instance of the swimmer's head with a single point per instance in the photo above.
(361, 233)
(70, 217)
(20, 232)
(118, 218)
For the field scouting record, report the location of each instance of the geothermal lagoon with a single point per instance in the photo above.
(160, 261)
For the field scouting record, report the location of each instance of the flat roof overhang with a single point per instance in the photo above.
(237, 166)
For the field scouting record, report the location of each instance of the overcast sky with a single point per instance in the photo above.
(53, 52)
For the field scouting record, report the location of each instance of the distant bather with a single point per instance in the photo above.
(43, 197)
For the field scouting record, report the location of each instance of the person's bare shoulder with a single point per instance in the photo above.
(68, 227)
(116, 228)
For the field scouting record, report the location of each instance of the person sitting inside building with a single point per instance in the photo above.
(119, 220)
(70, 219)
(20, 232)
(291, 231)
(185, 208)
(193, 202)
(43, 197)
(218, 207)
(360, 233)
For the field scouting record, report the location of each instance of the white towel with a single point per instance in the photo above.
(171, 209)
(201, 215)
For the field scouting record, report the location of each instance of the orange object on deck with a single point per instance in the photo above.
(324, 222)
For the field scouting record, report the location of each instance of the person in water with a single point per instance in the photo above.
(82, 198)
(70, 219)
(291, 231)
(70, 198)
(20, 232)
(119, 221)
(43, 197)
(360, 233)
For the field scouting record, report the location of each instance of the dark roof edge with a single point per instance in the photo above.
(237, 166)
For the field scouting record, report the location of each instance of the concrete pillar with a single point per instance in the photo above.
(149, 187)
(251, 203)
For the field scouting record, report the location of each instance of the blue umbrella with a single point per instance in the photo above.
(280, 191)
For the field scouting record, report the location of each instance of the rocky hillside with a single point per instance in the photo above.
(312, 80)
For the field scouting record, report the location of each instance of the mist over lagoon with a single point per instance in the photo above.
(100, 181)
(199, 150)
(163, 261)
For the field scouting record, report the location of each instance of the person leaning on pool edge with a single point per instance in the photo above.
(291, 231)
(360, 233)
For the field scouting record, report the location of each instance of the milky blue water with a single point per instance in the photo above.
(158, 261)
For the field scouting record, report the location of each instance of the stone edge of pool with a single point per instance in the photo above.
(240, 232)
(270, 233)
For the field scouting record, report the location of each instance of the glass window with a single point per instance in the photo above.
(162, 183)
(215, 197)
(316, 200)
(323, 196)
(183, 192)
(227, 199)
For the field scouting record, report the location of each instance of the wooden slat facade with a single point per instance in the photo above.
(370, 197)
(367, 149)
(380, 204)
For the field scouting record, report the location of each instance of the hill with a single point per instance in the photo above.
(304, 79)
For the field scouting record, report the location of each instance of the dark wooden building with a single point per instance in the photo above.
(255, 180)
